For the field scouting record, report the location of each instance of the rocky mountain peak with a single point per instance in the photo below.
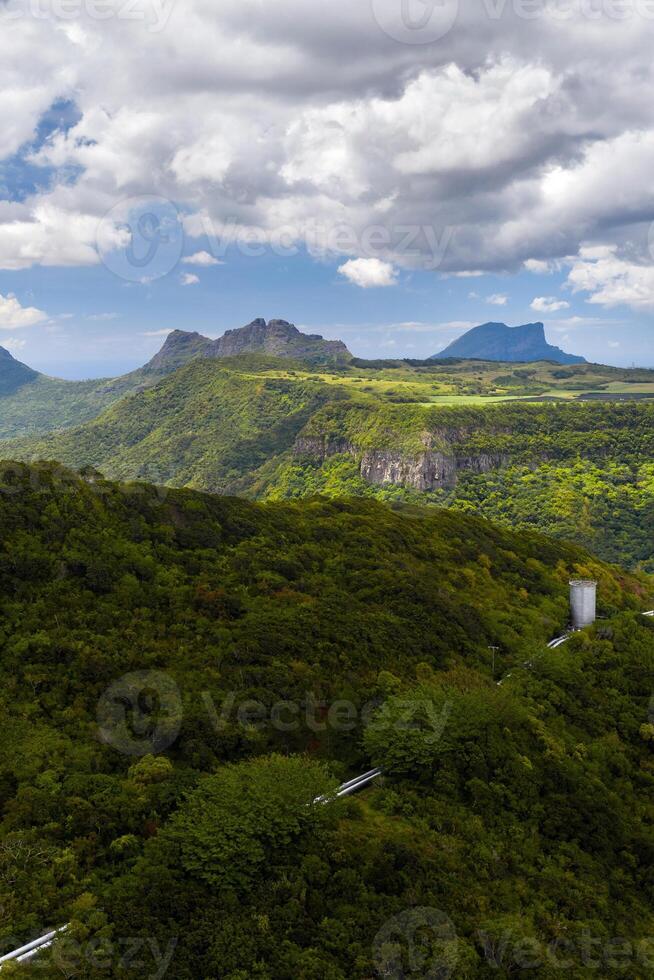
(499, 342)
(179, 347)
(278, 338)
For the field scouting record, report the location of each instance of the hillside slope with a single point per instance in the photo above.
(207, 426)
(279, 642)
(13, 374)
(34, 404)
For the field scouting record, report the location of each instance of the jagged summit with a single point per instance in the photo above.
(276, 337)
(499, 342)
(280, 338)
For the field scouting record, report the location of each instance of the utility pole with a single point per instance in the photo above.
(493, 650)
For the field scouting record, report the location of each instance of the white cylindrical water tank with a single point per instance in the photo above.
(583, 603)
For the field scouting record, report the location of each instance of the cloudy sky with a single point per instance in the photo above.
(387, 171)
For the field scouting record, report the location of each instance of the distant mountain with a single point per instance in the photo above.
(498, 342)
(13, 374)
(277, 338)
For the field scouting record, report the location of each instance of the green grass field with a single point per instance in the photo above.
(472, 385)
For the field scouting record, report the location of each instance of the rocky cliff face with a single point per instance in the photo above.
(322, 447)
(425, 471)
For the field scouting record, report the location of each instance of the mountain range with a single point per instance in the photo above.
(13, 374)
(34, 403)
(499, 342)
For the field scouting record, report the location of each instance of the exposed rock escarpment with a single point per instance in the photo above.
(322, 447)
(425, 471)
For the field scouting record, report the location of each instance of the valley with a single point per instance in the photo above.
(566, 450)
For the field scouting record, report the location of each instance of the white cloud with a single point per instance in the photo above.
(13, 315)
(549, 304)
(510, 133)
(580, 322)
(498, 299)
(14, 344)
(99, 317)
(419, 327)
(611, 280)
(540, 267)
(157, 333)
(189, 279)
(201, 258)
(369, 273)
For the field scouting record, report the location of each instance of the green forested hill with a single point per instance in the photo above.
(581, 472)
(183, 673)
(205, 426)
(271, 429)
